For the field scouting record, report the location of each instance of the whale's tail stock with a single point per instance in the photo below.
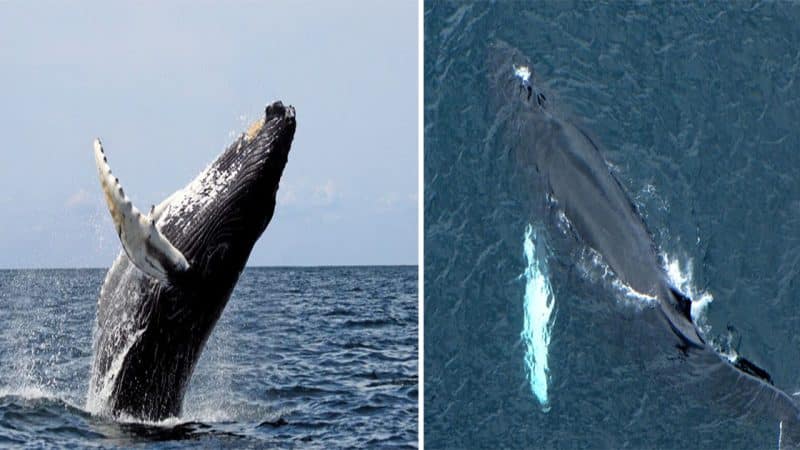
(740, 385)
(737, 385)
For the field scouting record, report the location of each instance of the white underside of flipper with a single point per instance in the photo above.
(144, 244)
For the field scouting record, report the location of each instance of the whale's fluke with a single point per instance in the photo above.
(142, 241)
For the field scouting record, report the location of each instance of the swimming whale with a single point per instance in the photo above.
(566, 171)
(179, 264)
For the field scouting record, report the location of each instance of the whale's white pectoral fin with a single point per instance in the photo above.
(144, 244)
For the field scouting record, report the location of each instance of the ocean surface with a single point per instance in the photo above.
(531, 343)
(301, 358)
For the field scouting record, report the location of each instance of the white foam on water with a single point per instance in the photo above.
(681, 276)
(594, 268)
(632, 295)
(538, 318)
(169, 422)
(35, 392)
(29, 392)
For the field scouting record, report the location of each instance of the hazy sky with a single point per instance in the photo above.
(167, 86)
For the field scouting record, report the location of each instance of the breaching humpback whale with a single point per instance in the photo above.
(178, 266)
(566, 172)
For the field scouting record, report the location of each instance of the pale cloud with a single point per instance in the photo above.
(287, 196)
(325, 194)
(393, 200)
(387, 201)
(79, 198)
(306, 194)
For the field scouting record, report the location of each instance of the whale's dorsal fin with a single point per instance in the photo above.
(142, 241)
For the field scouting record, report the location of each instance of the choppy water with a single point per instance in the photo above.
(696, 108)
(302, 357)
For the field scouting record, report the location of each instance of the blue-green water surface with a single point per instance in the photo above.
(301, 358)
(696, 108)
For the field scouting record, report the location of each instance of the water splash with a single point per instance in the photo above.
(682, 277)
(124, 332)
(631, 297)
(538, 320)
(98, 400)
(594, 268)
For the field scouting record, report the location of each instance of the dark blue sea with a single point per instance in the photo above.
(301, 358)
(696, 108)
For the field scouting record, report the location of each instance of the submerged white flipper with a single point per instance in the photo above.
(144, 244)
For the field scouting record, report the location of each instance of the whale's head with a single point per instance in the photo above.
(525, 127)
(529, 89)
(512, 78)
(218, 217)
